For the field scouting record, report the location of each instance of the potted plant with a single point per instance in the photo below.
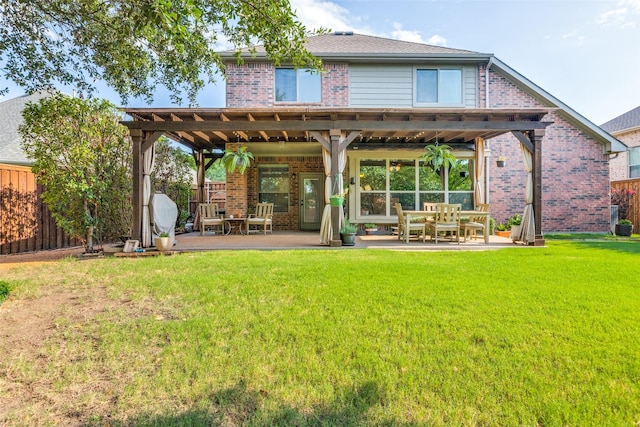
(624, 228)
(163, 242)
(502, 230)
(337, 198)
(515, 224)
(237, 160)
(502, 161)
(370, 228)
(348, 233)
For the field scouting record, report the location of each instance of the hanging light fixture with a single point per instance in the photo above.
(394, 167)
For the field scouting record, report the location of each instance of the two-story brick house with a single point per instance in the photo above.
(362, 124)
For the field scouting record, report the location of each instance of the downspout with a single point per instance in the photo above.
(486, 159)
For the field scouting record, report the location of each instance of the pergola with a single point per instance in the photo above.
(208, 130)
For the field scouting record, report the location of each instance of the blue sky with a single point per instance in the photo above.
(585, 53)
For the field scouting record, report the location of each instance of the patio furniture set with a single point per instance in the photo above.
(261, 221)
(443, 220)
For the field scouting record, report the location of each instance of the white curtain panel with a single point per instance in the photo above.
(479, 190)
(326, 232)
(148, 161)
(528, 230)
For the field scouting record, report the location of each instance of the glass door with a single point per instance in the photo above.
(311, 200)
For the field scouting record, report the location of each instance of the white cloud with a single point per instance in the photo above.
(623, 16)
(316, 13)
(405, 35)
(437, 40)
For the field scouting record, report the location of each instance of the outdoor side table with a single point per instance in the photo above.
(234, 225)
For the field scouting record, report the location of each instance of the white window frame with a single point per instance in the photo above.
(440, 88)
(298, 72)
(636, 166)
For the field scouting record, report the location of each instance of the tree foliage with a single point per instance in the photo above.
(135, 45)
(81, 155)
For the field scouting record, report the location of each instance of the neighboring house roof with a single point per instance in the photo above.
(10, 119)
(624, 123)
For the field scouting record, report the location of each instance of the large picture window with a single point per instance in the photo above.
(439, 86)
(634, 162)
(385, 182)
(273, 186)
(302, 85)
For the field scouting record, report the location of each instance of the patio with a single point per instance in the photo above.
(190, 242)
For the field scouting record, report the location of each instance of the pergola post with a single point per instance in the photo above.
(536, 137)
(334, 135)
(137, 137)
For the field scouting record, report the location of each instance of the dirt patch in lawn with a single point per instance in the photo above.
(30, 328)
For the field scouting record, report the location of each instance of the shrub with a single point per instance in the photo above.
(347, 227)
(4, 290)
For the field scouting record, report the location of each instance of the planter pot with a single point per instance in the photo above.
(336, 201)
(504, 233)
(624, 229)
(370, 230)
(348, 239)
(163, 243)
(501, 163)
(515, 231)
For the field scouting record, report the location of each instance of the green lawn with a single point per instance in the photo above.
(520, 336)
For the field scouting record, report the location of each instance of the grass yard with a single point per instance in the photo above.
(520, 336)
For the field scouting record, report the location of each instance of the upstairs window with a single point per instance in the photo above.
(634, 162)
(302, 85)
(439, 86)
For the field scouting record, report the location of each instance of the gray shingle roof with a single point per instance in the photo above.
(628, 120)
(344, 43)
(10, 119)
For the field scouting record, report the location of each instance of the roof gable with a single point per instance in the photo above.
(627, 121)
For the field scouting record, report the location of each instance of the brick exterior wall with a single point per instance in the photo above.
(297, 164)
(619, 166)
(252, 85)
(575, 171)
(575, 182)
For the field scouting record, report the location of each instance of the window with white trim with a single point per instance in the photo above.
(301, 85)
(438, 86)
(385, 182)
(634, 162)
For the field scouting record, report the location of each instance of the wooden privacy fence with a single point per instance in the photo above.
(26, 224)
(634, 204)
(216, 193)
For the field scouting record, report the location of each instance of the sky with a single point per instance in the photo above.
(585, 53)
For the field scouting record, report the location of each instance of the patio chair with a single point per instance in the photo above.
(262, 220)
(419, 227)
(209, 217)
(447, 221)
(475, 224)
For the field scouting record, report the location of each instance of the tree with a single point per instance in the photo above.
(135, 45)
(81, 155)
(172, 176)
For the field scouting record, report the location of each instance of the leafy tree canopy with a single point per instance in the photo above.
(135, 45)
(81, 155)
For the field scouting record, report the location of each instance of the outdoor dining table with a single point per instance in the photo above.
(430, 214)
